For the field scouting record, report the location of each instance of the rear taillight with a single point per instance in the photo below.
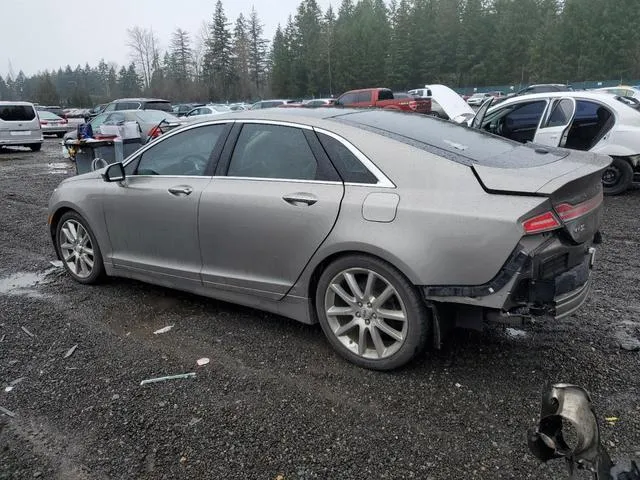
(544, 222)
(567, 212)
(64, 120)
(413, 105)
(155, 132)
(43, 122)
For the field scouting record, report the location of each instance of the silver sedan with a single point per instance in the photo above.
(389, 229)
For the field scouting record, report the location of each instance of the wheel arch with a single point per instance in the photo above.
(320, 265)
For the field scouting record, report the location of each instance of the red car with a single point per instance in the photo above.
(382, 98)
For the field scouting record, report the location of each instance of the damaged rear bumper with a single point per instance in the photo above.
(553, 279)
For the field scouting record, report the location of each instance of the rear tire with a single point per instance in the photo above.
(370, 313)
(617, 177)
(35, 147)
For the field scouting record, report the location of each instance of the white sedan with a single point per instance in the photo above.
(590, 121)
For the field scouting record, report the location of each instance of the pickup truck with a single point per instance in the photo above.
(382, 98)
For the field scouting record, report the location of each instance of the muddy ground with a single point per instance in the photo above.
(275, 402)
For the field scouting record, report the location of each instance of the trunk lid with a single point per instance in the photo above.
(559, 168)
(573, 184)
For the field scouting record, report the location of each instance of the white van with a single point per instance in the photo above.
(20, 125)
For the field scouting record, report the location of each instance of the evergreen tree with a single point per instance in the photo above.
(46, 93)
(217, 64)
(281, 65)
(241, 59)
(258, 54)
(181, 54)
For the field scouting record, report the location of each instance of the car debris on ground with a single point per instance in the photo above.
(170, 377)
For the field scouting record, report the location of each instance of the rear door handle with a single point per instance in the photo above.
(299, 199)
(181, 190)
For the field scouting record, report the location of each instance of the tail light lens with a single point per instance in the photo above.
(155, 132)
(544, 222)
(568, 212)
(43, 122)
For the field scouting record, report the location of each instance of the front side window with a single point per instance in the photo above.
(347, 99)
(364, 97)
(110, 108)
(186, 153)
(272, 151)
(518, 122)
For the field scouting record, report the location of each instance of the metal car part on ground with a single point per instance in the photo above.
(387, 228)
(570, 405)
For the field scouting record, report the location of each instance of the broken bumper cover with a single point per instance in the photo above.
(553, 281)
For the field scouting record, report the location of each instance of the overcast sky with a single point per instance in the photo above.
(41, 35)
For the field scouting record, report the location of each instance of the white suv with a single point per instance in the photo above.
(20, 125)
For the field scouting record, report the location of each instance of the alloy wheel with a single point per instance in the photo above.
(76, 248)
(366, 313)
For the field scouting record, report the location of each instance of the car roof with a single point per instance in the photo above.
(9, 102)
(548, 85)
(140, 99)
(580, 94)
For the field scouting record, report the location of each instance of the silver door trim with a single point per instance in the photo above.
(288, 180)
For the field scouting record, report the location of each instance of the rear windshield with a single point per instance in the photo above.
(17, 113)
(48, 115)
(164, 106)
(446, 139)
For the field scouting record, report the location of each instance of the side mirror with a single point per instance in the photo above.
(114, 173)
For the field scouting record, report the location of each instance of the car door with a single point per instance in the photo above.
(151, 216)
(555, 126)
(275, 201)
(518, 121)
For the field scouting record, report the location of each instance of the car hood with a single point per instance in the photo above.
(452, 103)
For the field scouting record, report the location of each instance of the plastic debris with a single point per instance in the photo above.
(163, 330)
(8, 413)
(2, 338)
(70, 351)
(16, 381)
(202, 361)
(24, 329)
(8, 389)
(56, 263)
(458, 385)
(611, 420)
(170, 377)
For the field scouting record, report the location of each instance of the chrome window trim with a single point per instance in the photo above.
(383, 180)
(281, 123)
(288, 180)
(175, 131)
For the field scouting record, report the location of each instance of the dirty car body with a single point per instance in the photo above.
(386, 227)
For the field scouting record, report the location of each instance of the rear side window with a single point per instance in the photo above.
(385, 95)
(272, 151)
(351, 170)
(17, 113)
(127, 106)
(561, 113)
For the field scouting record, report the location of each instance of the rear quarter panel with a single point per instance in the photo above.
(447, 230)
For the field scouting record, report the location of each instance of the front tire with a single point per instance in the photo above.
(79, 249)
(370, 313)
(35, 147)
(617, 177)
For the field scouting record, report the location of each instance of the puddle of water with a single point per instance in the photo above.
(515, 333)
(25, 283)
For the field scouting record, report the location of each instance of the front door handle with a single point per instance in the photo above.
(181, 190)
(299, 199)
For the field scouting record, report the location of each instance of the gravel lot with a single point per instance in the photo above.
(275, 402)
